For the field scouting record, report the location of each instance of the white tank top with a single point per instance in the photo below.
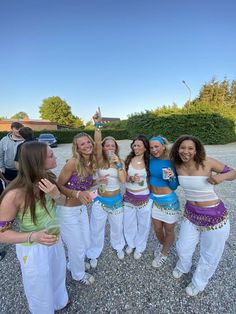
(197, 188)
(143, 176)
(113, 180)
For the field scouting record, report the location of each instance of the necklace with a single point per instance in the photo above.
(87, 163)
(139, 161)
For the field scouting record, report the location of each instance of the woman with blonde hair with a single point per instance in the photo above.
(29, 199)
(75, 181)
(108, 204)
(165, 211)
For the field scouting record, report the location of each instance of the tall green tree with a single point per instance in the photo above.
(57, 110)
(20, 116)
(233, 94)
(78, 123)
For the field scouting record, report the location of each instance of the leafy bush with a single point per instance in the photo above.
(211, 128)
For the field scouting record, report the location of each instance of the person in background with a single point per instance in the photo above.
(8, 146)
(30, 199)
(109, 203)
(75, 181)
(137, 205)
(27, 134)
(165, 211)
(205, 216)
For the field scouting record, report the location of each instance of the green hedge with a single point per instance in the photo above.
(66, 136)
(210, 128)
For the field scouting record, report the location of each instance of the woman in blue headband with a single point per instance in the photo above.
(165, 210)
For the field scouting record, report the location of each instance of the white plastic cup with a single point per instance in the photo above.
(110, 154)
(165, 174)
(102, 188)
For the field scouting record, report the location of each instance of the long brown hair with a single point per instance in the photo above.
(31, 171)
(146, 154)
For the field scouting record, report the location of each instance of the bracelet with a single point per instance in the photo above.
(57, 196)
(77, 194)
(29, 238)
(71, 194)
(98, 125)
(119, 166)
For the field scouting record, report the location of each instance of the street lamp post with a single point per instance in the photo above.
(190, 94)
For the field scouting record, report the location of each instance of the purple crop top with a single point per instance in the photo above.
(79, 183)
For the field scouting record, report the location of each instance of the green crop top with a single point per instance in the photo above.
(25, 222)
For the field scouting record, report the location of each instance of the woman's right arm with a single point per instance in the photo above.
(66, 173)
(64, 176)
(9, 208)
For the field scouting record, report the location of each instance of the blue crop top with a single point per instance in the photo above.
(156, 175)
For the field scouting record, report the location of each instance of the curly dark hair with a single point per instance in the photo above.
(200, 151)
(146, 155)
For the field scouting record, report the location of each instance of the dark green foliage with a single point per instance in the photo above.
(210, 128)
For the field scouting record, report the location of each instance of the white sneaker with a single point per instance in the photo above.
(93, 262)
(177, 273)
(87, 279)
(87, 266)
(137, 254)
(121, 254)
(191, 290)
(159, 260)
(129, 250)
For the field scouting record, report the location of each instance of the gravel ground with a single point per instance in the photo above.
(132, 286)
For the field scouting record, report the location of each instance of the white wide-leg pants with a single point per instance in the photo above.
(137, 223)
(74, 225)
(212, 244)
(44, 273)
(97, 230)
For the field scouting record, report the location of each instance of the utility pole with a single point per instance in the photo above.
(190, 94)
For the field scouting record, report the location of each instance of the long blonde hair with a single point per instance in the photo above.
(166, 144)
(82, 166)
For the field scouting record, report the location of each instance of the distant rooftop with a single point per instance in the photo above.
(110, 119)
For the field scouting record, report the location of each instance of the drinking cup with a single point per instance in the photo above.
(165, 173)
(53, 227)
(102, 187)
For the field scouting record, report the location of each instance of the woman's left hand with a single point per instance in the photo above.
(49, 188)
(170, 173)
(215, 179)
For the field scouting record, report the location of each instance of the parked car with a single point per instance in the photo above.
(48, 138)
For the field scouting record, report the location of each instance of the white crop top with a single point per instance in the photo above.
(197, 188)
(113, 180)
(143, 177)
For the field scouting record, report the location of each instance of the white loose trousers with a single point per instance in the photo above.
(44, 273)
(137, 223)
(74, 226)
(97, 230)
(212, 244)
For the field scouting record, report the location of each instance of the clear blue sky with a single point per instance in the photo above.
(123, 55)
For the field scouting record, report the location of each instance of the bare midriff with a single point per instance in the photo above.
(136, 191)
(72, 202)
(160, 190)
(204, 204)
(109, 193)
